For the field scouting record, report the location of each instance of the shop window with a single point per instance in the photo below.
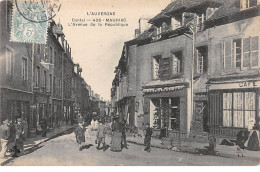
(24, 69)
(9, 62)
(236, 57)
(239, 109)
(202, 59)
(245, 4)
(175, 114)
(177, 62)
(156, 68)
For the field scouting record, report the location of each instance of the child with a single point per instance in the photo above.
(80, 133)
(147, 139)
(101, 134)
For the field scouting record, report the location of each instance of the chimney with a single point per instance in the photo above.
(137, 33)
(143, 24)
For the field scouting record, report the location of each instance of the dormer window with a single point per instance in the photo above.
(201, 18)
(245, 4)
(176, 23)
(157, 32)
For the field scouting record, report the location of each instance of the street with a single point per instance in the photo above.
(63, 151)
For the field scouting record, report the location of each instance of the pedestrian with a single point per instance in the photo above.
(25, 127)
(101, 135)
(147, 139)
(116, 136)
(4, 136)
(44, 124)
(19, 132)
(80, 133)
(124, 144)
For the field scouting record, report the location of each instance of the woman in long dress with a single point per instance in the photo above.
(116, 137)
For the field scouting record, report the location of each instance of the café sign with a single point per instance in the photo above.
(235, 85)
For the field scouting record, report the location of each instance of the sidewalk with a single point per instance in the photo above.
(193, 147)
(30, 143)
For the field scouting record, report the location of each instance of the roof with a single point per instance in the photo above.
(229, 7)
(183, 4)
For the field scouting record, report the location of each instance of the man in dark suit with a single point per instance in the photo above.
(147, 139)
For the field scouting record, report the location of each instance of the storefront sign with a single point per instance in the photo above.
(163, 89)
(236, 85)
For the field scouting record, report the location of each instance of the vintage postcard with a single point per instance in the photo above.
(129, 82)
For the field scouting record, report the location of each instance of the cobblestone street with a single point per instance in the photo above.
(63, 151)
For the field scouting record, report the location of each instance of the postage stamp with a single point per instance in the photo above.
(30, 19)
(28, 31)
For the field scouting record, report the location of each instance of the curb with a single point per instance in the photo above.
(190, 152)
(34, 147)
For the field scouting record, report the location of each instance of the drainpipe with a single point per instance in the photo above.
(32, 89)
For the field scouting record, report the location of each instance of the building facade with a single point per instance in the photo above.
(196, 69)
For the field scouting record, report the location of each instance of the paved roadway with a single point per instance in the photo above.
(63, 151)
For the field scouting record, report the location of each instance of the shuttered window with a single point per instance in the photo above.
(227, 55)
(215, 109)
(241, 53)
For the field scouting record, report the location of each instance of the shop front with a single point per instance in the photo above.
(167, 110)
(234, 105)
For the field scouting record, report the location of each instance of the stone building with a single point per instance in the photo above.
(196, 70)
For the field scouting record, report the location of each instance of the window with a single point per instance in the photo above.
(24, 69)
(45, 79)
(37, 76)
(51, 54)
(156, 33)
(55, 55)
(38, 48)
(9, 62)
(156, 68)
(9, 16)
(54, 85)
(164, 27)
(239, 109)
(245, 4)
(176, 23)
(236, 57)
(177, 62)
(236, 53)
(60, 87)
(200, 21)
(202, 59)
(50, 82)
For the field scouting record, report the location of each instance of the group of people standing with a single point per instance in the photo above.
(20, 132)
(118, 138)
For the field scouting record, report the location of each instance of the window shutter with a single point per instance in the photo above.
(241, 4)
(254, 51)
(196, 71)
(227, 55)
(246, 52)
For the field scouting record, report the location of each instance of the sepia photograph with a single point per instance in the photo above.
(129, 83)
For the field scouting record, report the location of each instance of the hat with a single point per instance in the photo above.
(80, 120)
(19, 120)
(6, 121)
